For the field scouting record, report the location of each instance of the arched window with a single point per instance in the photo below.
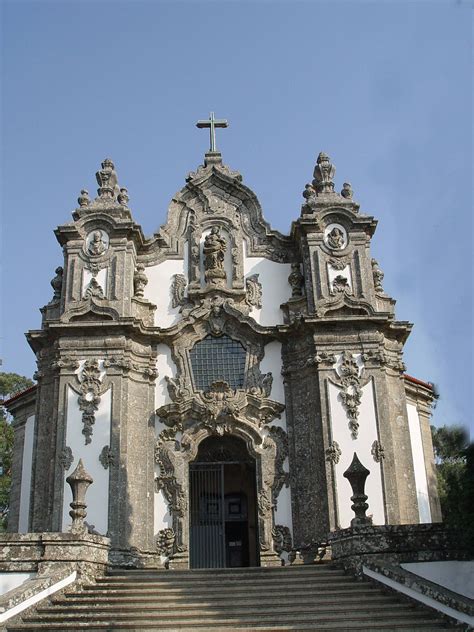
(214, 359)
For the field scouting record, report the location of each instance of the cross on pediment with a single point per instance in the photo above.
(212, 123)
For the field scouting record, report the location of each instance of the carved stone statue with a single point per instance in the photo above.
(123, 197)
(139, 281)
(347, 190)
(323, 175)
(107, 180)
(97, 245)
(378, 276)
(214, 250)
(335, 239)
(296, 280)
(57, 284)
(84, 199)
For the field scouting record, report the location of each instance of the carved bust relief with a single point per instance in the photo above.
(97, 242)
(335, 237)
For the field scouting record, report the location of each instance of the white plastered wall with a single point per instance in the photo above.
(275, 287)
(165, 367)
(158, 289)
(97, 496)
(424, 511)
(362, 446)
(25, 489)
(272, 362)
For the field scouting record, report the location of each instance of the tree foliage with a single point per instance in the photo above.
(455, 470)
(10, 384)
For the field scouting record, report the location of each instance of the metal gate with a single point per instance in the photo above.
(207, 515)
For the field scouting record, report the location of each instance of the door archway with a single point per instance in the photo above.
(223, 516)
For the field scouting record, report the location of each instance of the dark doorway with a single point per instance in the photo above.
(223, 516)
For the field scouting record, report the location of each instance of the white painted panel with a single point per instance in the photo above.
(421, 483)
(166, 368)
(25, 489)
(275, 287)
(158, 290)
(101, 278)
(97, 497)
(457, 576)
(362, 446)
(333, 273)
(9, 581)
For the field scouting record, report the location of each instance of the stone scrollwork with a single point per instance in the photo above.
(89, 398)
(178, 289)
(340, 284)
(282, 541)
(178, 388)
(165, 540)
(339, 264)
(333, 453)
(167, 482)
(281, 478)
(259, 383)
(351, 381)
(93, 289)
(253, 291)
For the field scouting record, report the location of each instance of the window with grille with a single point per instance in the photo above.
(214, 359)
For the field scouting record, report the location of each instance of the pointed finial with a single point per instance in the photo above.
(357, 474)
(84, 199)
(79, 481)
(347, 190)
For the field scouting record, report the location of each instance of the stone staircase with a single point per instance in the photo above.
(319, 597)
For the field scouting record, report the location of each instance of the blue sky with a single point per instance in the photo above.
(383, 87)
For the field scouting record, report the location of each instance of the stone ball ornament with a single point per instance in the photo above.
(335, 237)
(97, 243)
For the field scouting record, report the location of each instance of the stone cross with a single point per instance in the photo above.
(212, 123)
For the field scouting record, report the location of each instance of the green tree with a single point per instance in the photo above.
(10, 384)
(455, 472)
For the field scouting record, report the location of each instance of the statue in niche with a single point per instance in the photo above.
(335, 239)
(97, 245)
(57, 284)
(214, 251)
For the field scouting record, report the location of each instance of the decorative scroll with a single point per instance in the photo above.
(89, 399)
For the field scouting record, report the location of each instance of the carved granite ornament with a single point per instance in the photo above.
(79, 481)
(281, 539)
(347, 190)
(123, 197)
(178, 388)
(378, 276)
(339, 264)
(165, 540)
(97, 246)
(340, 284)
(89, 399)
(357, 474)
(351, 393)
(57, 284)
(84, 199)
(253, 289)
(221, 406)
(310, 196)
(333, 453)
(139, 281)
(167, 482)
(377, 451)
(66, 457)
(281, 478)
(178, 289)
(323, 175)
(107, 180)
(214, 251)
(259, 383)
(335, 239)
(66, 362)
(296, 281)
(106, 457)
(93, 289)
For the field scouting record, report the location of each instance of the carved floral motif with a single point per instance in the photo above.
(340, 284)
(253, 291)
(167, 482)
(377, 451)
(351, 382)
(107, 457)
(333, 453)
(93, 289)
(66, 457)
(339, 264)
(89, 399)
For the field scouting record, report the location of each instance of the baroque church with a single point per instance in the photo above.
(215, 383)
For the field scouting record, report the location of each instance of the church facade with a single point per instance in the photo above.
(217, 378)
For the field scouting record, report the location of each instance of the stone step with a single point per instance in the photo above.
(227, 610)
